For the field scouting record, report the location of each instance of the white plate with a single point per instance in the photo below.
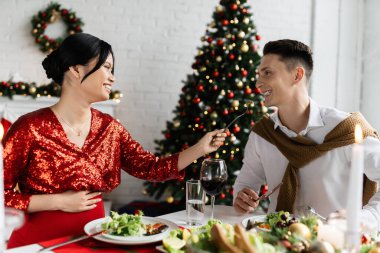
(95, 226)
(258, 218)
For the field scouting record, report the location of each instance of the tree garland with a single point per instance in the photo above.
(9, 89)
(48, 16)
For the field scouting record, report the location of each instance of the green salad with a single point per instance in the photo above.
(125, 224)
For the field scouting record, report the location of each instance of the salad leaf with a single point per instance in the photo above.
(125, 224)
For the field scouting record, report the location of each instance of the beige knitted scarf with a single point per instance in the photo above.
(300, 151)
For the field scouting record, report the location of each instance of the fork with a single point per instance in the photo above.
(264, 196)
(239, 116)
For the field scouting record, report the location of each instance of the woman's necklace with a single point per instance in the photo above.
(78, 132)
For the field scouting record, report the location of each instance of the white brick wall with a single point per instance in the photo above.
(154, 43)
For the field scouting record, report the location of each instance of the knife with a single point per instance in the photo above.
(83, 237)
(264, 196)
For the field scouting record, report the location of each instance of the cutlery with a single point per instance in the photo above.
(264, 196)
(70, 241)
(312, 210)
(239, 116)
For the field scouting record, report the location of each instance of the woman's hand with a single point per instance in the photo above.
(246, 201)
(211, 141)
(72, 202)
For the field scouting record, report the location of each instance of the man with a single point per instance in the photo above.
(305, 146)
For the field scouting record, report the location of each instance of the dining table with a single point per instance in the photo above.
(226, 214)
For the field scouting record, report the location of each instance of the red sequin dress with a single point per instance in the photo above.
(40, 159)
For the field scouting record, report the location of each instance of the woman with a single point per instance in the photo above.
(61, 158)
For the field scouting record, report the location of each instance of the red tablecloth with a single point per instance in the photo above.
(92, 245)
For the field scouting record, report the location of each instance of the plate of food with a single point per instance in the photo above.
(129, 229)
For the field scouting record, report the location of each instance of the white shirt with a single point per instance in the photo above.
(324, 181)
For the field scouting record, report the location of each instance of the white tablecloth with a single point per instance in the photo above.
(226, 214)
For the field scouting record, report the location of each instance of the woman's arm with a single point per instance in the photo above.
(208, 144)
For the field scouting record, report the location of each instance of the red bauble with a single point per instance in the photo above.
(254, 47)
(228, 133)
(64, 12)
(197, 119)
(200, 88)
(43, 14)
(209, 39)
(258, 37)
(167, 136)
(231, 56)
(231, 94)
(236, 129)
(222, 196)
(257, 91)
(233, 38)
(229, 74)
(215, 74)
(213, 53)
(201, 127)
(220, 42)
(248, 91)
(225, 112)
(234, 7)
(196, 100)
(77, 28)
(244, 11)
(264, 189)
(225, 22)
(244, 72)
(215, 87)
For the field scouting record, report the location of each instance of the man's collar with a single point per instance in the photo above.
(315, 119)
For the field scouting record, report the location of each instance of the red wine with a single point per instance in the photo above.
(213, 186)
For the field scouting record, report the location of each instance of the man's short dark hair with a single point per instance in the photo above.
(292, 53)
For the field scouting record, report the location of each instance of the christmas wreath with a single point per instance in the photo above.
(48, 16)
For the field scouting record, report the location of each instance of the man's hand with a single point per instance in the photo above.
(246, 201)
(72, 202)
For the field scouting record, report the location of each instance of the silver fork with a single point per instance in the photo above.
(239, 116)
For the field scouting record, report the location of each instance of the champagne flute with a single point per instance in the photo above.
(213, 178)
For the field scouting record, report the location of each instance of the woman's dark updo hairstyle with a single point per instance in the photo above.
(76, 49)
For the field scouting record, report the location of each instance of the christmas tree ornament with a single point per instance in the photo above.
(220, 42)
(244, 72)
(258, 37)
(234, 7)
(225, 22)
(219, 8)
(222, 92)
(235, 103)
(246, 20)
(248, 91)
(218, 58)
(176, 123)
(214, 115)
(241, 34)
(244, 48)
(236, 21)
(170, 199)
(231, 94)
(239, 84)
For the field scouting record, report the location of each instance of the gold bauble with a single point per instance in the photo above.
(244, 48)
(200, 52)
(239, 84)
(116, 95)
(218, 58)
(230, 47)
(219, 8)
(222, 92)
(34, 31)
(241, 34)
(47, 44)
(246, 20)
(212, 24)
(38, 25)
(170, 199)
(235, 103)
(236, 21)
(71, 32)
(176, 123)
(214, 115)
(264, 109)
(202, 69)
(32, 89)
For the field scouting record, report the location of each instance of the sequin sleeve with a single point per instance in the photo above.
(145, 165)
(17, 145)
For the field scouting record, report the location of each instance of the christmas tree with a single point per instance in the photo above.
(222, 86)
